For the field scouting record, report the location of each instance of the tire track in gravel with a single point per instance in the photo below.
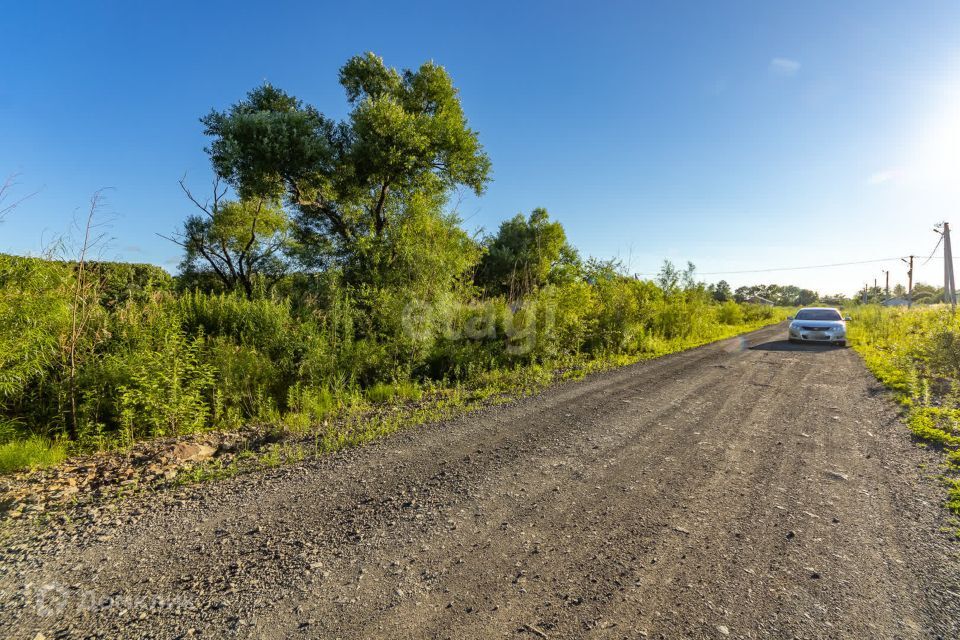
(583, 483)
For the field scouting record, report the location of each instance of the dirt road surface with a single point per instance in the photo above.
(746, 489)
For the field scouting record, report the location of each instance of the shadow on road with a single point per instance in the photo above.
(785, 345)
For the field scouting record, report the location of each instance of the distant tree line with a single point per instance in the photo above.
(780, 295)
(789, 295)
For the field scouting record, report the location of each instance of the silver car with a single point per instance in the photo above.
(819, 324)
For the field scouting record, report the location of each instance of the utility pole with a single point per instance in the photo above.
(949, 285)
(909, 280)
(887, 273)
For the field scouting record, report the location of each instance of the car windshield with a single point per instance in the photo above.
(818, 314)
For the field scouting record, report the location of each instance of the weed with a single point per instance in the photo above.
(31, 453)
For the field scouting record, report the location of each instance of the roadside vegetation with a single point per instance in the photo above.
(916, 353)
(325, 273)
(154, 359)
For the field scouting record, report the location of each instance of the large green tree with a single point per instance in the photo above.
(349, 181)
(525, 254)
(722, 291)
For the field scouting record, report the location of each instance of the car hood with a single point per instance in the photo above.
(818, 323)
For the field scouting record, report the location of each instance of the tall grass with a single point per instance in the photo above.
(916, 353)
(157, 362)
(32, 452)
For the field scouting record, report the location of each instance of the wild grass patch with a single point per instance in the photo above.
(384, 392)
(32, 453)
(914, 353)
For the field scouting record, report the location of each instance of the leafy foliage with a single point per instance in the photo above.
(33, 316)
(525, 254)
(721, 291)
(348, 181)
(169, 363)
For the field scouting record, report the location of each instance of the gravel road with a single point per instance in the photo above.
(746, 489)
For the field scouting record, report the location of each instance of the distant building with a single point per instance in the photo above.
(896, 302)
(760, 300)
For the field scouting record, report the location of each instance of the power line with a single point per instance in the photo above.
(934, 251)
(815, 266)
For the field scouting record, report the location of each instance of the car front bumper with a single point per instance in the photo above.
(825, 337)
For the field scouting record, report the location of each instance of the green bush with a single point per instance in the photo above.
(730, 313)
(34, 318)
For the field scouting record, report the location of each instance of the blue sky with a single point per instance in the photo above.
(741, 135)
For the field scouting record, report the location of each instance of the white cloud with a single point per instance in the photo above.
(885, 175)
(784, 67)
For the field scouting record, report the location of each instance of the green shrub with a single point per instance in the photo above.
(953, 496)
(34, 318)
(730, 313)
(166, 392)
(935, 424)
(408, 390)
(248, 384)
(266, 324)
(310, 401)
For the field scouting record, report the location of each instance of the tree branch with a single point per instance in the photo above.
(218, 194)
(336, 220)
(379, 221)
